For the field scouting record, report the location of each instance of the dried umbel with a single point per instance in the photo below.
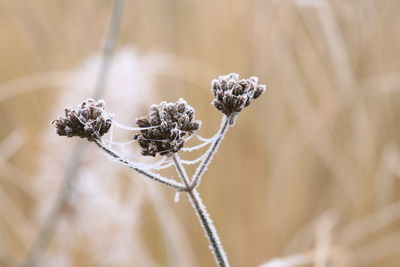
(164, 131)
(232, 94)
(165, 128)
(88, 121)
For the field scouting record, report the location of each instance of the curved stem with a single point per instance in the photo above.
(211, 151)
(205, 220)
(153, 176)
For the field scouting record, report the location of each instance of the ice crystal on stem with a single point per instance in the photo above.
(165, 127)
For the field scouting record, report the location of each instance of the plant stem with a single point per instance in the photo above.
(181, 170)
(153, 176)
(210, 152)
(205, 220)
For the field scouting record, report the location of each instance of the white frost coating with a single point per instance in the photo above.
(209, 228)
(121, 144)
(205, 220)
(111, 142)
(137, 167)
(120, 157)
(165, 166)
(132, 163)
(154, 165)
(161, 164)
(189, 149)
(208, 140)
(124, 127)
(187, 138)
(192, 162)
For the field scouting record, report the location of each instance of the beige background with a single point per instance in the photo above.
(317, 153)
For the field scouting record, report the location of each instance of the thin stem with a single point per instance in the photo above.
(205, 220)
(210, 152)
(209, 229)
(46, 232)
(153, 176)
(181, 170)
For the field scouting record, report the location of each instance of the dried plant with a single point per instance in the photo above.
(88, 121)
(232, 95)
(92, 197)
(163, 132)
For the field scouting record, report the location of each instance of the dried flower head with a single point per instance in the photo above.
(232, 94)
(88, 121)
(165, 127)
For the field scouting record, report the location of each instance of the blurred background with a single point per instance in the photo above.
(309, 175)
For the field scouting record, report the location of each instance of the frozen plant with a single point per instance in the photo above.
(88, 121)
(232, 94)
(164, 131)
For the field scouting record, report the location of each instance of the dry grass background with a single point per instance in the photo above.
(312, 167)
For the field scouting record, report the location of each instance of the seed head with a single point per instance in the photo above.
(165, 127)
(89, 121)
(232, 94)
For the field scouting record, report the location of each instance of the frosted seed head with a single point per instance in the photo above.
(232, 94)
(260, 89)
(172, 122)
(89, 120)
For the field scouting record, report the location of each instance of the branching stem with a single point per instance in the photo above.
(205, 220)
(210, 152)
(153, 176)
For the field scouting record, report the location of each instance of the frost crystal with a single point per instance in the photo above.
(232, 94)
(88, 121)
(165, 127)
(177, 196)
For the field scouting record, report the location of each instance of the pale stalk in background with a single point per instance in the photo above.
(368, 28)
(71, 170)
